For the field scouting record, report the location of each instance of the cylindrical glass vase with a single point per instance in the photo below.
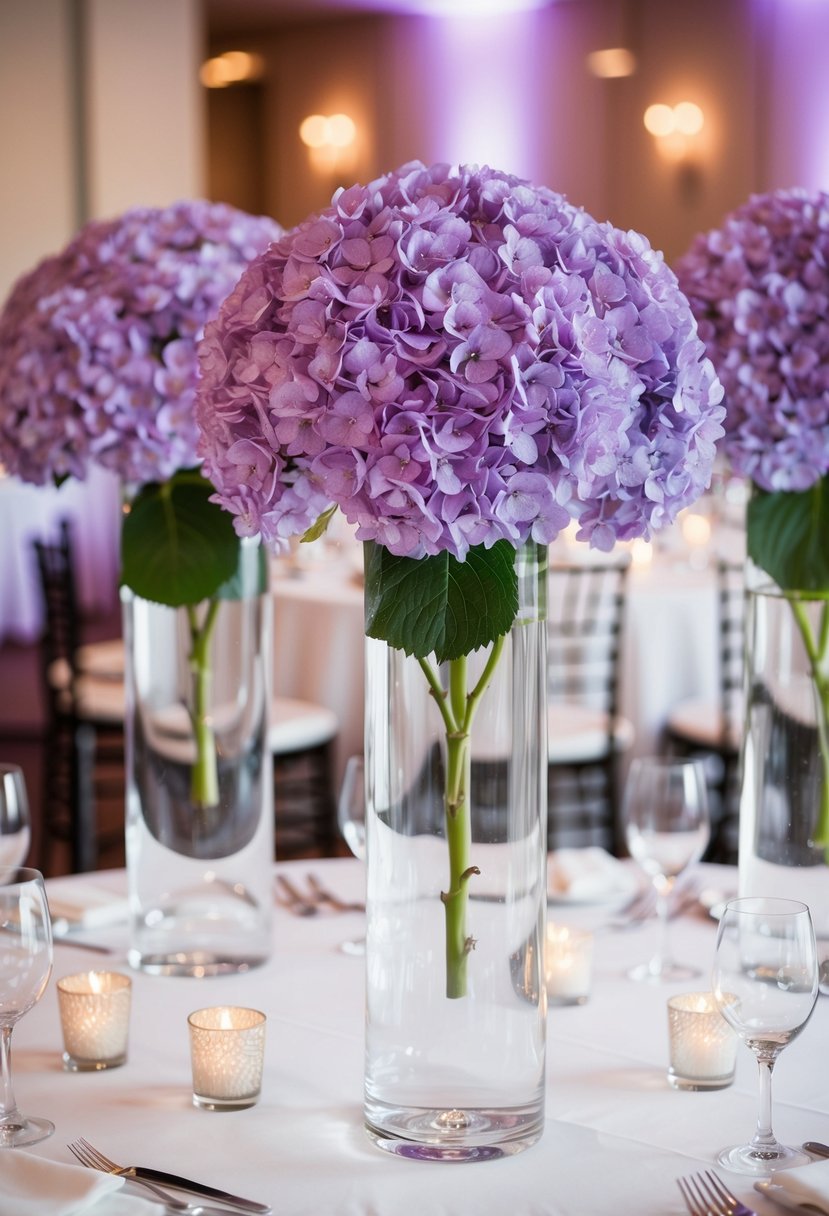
(784, 805)
(200, 832)
(456, 1000)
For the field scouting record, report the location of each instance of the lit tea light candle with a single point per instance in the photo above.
(703, 1047)
(567, 965)
(227, 1049)
(94, 1014)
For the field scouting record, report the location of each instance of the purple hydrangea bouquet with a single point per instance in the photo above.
(759, 286)
(460, 362)
(98, 366)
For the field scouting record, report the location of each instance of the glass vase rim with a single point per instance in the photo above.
(768, 906)
(17, 876)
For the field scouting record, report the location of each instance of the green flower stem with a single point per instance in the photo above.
(457, 708)
(817, 653)
(204, 778)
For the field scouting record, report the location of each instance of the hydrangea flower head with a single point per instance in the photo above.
(759, 286)
(453, 357)
(98, 343)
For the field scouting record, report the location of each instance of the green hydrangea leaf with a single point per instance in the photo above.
(177, 547)
(439, 605)
(787, 536)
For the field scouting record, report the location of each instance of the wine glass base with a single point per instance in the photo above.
(25, 1131)
(662, 971)
(761, 1163)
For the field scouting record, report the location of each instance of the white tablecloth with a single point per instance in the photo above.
(617, 1136)
(29, 512)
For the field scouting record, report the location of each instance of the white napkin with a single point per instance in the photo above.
(35, 1186)
(806, 1184)
(85, 906)
(588, 875)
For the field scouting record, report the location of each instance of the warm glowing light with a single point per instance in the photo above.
(313, 131)
(232, 67)
(685, 118)
(688, 118)
(332, 131)
(659, 120)
(341, 130)
(612, 62)
(641, 552)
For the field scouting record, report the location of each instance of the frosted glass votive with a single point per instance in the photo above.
(95, 1016)
(703, 1047)
(568, 964)
(227, 1050)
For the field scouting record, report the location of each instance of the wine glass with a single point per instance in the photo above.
(666, 829)
(15, 824)
(765, 982)
(25, 967)
(351, 817)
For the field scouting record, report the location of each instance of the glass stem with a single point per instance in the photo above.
(9, 1114)
(663, 957)
(764, 1138)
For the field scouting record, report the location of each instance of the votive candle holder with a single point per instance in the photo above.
(568, 965)
(703, 1047)
(227, 1050)
(94, 1013)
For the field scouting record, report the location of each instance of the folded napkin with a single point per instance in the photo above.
(85, 906)
(588, 875)
(35, 1186)
(805, 1184)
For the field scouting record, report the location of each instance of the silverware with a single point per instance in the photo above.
(93, 1158)
(324, 896)
(293, 900)
(816, 1148)
(707, 1195)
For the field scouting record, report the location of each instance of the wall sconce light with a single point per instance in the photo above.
(611, 63)
(328, 139)
(674, 127)
(232, 67)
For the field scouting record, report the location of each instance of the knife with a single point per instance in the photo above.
(196, 1188)
(818, 1149)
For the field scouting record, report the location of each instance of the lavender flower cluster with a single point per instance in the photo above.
(98, 343)
(759, 286)
(453, 357)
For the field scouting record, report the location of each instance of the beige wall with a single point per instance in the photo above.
(755, 66)
(138, 139)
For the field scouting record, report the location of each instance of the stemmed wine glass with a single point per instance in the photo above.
(666, 829)
(25, 967)
(15, 825)
(765, 982)
(351, 817)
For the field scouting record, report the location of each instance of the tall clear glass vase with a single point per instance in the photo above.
(200, 831)
(456, 896)
(784, 805)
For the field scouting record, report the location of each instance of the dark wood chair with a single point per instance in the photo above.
(587, 734)
(83, 771)
(713, 730)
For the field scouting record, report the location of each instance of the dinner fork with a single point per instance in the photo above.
(95, 1160)
(707, 1195)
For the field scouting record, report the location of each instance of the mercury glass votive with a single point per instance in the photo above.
(227, 1050)
(94, 1015)
(568, 963)
(703, 1047)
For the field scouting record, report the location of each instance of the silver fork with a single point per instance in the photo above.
(707, 1195)
(95, 1160)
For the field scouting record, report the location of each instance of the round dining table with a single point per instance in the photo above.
(617, 1135)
